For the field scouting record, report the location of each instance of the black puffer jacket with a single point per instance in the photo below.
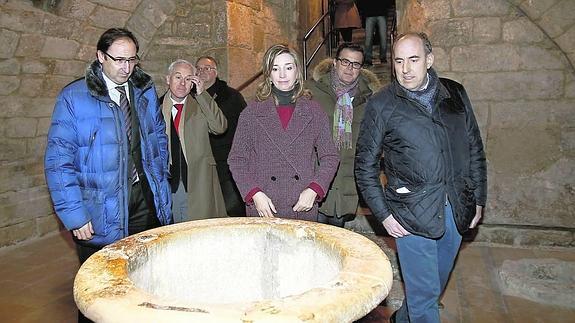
(426, 157)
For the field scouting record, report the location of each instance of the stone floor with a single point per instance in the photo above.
(36, 285)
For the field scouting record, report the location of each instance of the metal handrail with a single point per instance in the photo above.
(250, 81)
(325, 37)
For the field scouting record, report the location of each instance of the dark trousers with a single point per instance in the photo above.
(346, 34)
(140, 219)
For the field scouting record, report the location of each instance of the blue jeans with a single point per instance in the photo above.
(370, 23)
(425, 266)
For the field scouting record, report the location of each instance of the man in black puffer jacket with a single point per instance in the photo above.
(435, 167)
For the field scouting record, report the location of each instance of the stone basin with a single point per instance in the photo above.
(235, 270)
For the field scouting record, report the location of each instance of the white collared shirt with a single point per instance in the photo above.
(113, 92)
(174, 110)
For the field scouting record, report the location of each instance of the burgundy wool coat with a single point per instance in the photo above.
(283, 162)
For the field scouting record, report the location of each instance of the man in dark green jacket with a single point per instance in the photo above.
(342, 87)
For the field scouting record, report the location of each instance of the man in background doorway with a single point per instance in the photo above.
(232, 103)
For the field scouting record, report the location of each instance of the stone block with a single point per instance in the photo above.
(522, 114)
(535, 9)
(514, 85)
(567, 40)
(570, 87)
(240, 21)
(88, 35)
(58, 26)
(31, 86)
(436, 9)
(30, 45)
(55, 83)
(152, 11)
(254, 4)
(451, 32)
(558, 19)
(38, 107)
(22, 176)
(59, 48)
(9, 41)
(87, 53)
(10, 67)
(70, 68)
(24, 205)
(522, 151)
(144, 27)
(568, 141)
(220, 29)
(538, 58)
(9, 84)
(13, 234)
(441, 61)
(108, 18)
(48, 224)
(35, 147)
(26, 21)
(43, 127)
(473, 8)
(126, 5)
(522, 30)
(485, 58)
(11, 107)
(76, 9)
(524, 237)
(562, 112)
(12, 149)
(168, 6)
(34, 66)
(486, 29)
(20, 127)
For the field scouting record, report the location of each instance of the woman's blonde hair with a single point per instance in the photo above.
(264, 89)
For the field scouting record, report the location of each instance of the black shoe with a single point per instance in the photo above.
(392, 317)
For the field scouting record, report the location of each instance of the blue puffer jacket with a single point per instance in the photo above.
(86, 157)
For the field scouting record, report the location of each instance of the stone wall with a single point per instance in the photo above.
(42, 51)
(516, 61)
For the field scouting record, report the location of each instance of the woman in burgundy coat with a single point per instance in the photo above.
(283, 158)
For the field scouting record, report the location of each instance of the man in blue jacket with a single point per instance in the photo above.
(106, 161)
(435, 167)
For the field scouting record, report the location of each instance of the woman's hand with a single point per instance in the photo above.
(264, 205)
(306, 200)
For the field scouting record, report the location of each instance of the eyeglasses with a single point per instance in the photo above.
(122, 60)
(346, 62)
(206, 68)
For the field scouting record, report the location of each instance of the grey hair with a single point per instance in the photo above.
(180, 61)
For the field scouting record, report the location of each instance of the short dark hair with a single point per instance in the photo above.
(207, 57)
(421, 35)
(113, 34)
(351, 46)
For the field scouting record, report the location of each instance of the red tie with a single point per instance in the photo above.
(179, 107)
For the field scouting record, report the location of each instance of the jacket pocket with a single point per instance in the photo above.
(94, 204)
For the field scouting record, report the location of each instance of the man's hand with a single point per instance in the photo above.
(394, 228)
(199, 84)
(305, 201)
(264, 205)
(477, 217)
(85, 232)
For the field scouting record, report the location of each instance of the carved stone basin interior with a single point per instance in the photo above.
(235, 270)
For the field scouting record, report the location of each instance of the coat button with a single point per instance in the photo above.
(273, 178)
(296, 177)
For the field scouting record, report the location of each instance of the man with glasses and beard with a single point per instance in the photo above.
(106, 160)
(342, 87)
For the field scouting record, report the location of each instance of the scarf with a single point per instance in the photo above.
(283, 97)
(426, 96)
(343, 112)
